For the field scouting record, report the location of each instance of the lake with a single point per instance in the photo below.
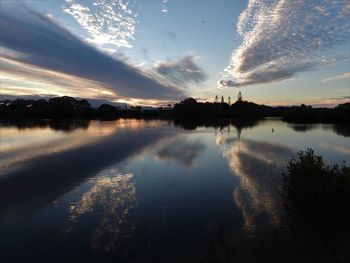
(135, 190)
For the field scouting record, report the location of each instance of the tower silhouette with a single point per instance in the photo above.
(239, 96)
(229, 100)
(216, 99)
(222, 99)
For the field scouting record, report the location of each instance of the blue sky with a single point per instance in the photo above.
(155, 52)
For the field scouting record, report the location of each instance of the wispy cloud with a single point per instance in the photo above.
(37, 41)
(19, 78)
(182, 71)
(338, 77)
(110, 23)
(282, 38)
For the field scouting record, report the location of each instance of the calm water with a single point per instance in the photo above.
(144, 190)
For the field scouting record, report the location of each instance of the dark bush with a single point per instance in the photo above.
(317, 197)
(108, 112)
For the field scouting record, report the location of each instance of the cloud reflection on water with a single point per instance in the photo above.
(29, 144)
(180, 150)
(20, 145)
(113, 195)
(45, 172)
(257, 166)
(337, 148)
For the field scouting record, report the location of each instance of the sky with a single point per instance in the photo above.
(158, 52)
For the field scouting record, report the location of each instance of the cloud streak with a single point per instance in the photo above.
(182, 71)
(37, 41)
(338, 77)
(282, 38)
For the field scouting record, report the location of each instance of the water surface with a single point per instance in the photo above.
(145, 190)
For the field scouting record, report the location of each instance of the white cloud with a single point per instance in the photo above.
(284, 37)
(110, 23)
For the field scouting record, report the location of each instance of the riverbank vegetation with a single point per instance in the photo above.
(317, 199)
(68, 107)
(316, 227)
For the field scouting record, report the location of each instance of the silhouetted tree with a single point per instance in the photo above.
(107, 112)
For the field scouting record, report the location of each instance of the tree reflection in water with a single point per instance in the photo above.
(113, 195)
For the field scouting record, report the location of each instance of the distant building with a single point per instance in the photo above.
(229, 100)
(239, 96)
(216, 99)
(222, 99)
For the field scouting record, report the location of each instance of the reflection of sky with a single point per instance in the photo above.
(180, 150)
(110, 196)
(259, 157)
(12, 138)
(257, 165)
(113, 195)
(314, 138)
(134, 201)
(336, 148)
(20, 146)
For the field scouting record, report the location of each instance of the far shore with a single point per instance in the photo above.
(189, 109)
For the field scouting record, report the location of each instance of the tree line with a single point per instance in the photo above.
(68, 107)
